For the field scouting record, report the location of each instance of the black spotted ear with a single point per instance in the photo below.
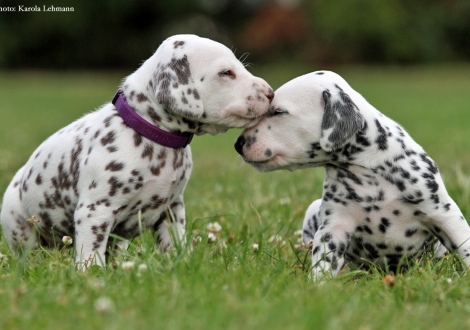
(341, 120)
(175, 89)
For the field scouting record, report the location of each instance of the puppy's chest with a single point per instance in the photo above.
(384, 226)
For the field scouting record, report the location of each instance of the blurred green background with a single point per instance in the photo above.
(120, 34)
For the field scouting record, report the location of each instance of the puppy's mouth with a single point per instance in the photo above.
(248, 120)
(278, 163)
(261, 165)
(256, 162)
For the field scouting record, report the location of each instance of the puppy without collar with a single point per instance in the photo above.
(383, 197)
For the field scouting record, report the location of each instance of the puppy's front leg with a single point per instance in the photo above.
(449, 225)
(329, 246)
(91, 236)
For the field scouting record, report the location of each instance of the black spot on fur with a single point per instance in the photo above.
(177, 44)
(343, 116)
(410, 232)
(113, 166)
(381, 139)
(115, 185)
(108, 138)
(431, 165)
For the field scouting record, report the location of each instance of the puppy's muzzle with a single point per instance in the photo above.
(269, 95)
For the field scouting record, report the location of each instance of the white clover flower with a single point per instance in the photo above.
(197, 239)
(284, 201)
(3, 257)
(140, 250)
(103, 305)
(309, 245)
(211, 238)
(298, 233)
(214, 227)
(127, 265)
(298, 247)
(255, 247)
(222, 246)
(98, 284)
(67, 240)
(115, 263)
(449, 280)
(275, 239)
(142, 268)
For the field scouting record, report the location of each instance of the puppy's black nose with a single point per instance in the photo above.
(270, 95)
(239, 144)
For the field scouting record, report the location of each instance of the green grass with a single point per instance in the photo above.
(226, 284)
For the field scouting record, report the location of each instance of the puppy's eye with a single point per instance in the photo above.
(227, 73)
(276, 112)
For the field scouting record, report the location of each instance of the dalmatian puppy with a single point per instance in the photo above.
(383, 197)
(93, 177)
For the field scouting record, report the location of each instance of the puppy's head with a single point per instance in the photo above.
(310, 118)
(201, 80)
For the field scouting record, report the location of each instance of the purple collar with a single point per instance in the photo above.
(146, 129)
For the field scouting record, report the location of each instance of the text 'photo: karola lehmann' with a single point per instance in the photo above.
(36, 8)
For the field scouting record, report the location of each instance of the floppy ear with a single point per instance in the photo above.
(341, 121)
(175, 89)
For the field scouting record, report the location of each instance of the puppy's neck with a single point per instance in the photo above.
(381, 140)
(139, 91)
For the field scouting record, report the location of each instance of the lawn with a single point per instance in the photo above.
(226, 284)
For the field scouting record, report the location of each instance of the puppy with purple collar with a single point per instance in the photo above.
(95, 176)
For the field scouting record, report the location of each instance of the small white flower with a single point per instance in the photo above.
(284, 201)
(214, 227)
(298, 247)
(140, 251)
(197, 239)
(67, 240)
(449, 280)
(222, 246)
(255, 247)
(309, 245)
(211, 238)
(275, 239)
(103, 305)
(127, 265)
(98, 284)
(115, 263)
(3, 257)
(298, 233)
(142, 268)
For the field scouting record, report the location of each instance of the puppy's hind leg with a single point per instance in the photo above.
(18, 226)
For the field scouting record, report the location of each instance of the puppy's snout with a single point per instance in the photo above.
(239, 144)
(270, 95)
